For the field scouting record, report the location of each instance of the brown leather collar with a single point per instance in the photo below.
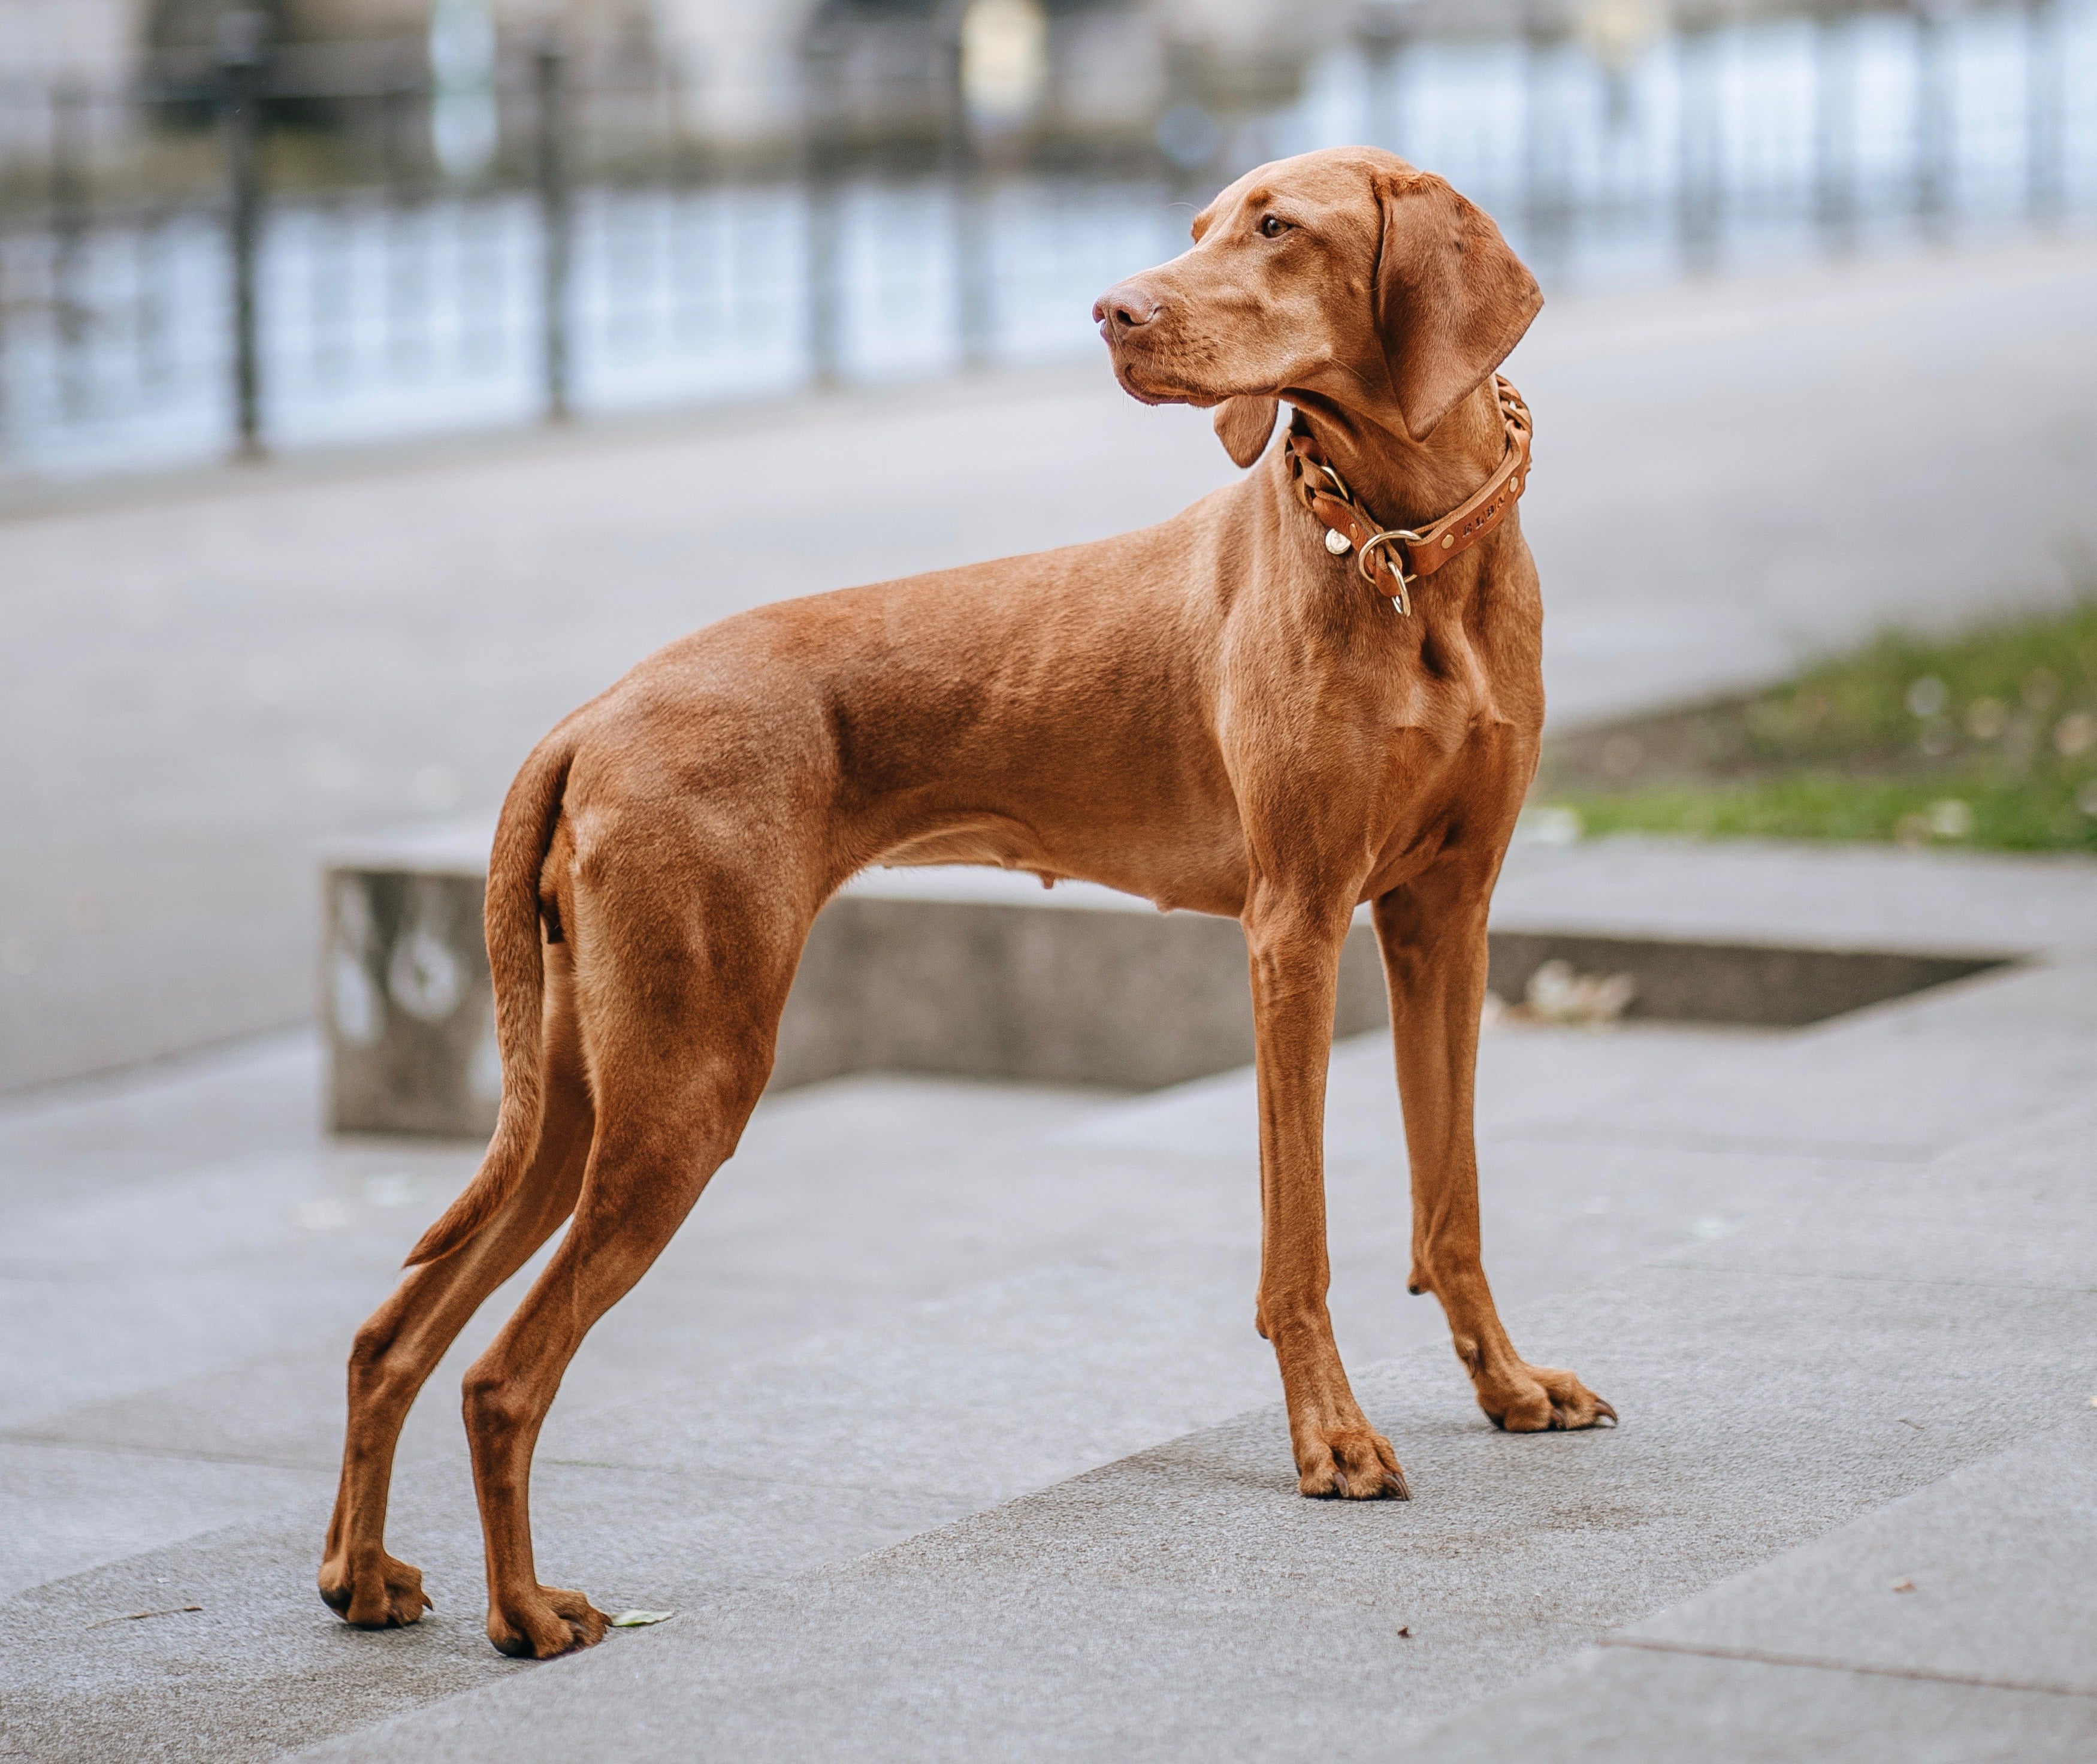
(1407, 554)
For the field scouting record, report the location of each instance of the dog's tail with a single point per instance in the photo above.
(517, 967)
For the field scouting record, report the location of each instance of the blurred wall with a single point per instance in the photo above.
(94, 40)
(590, 23)
(1113, 64)
(740, 64)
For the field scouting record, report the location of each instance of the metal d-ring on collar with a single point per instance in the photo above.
(1390, 535)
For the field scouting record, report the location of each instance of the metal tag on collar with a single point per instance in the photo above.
(1337, 542)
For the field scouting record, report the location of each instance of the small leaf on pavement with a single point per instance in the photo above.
(640, 1619)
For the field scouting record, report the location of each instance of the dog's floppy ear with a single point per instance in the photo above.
(1451, 299)
(1245, 425)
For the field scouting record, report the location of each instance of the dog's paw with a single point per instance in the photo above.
(557, 1622)
(1348, 1464)
(389, 1596)
(1540, 1400)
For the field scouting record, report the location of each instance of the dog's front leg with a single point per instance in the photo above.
(1295, 956)
(1433, 935)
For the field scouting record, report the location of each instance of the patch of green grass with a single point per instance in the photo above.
(1819, 805)
(1986, 739)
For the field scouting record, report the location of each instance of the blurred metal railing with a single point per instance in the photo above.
(279, 246)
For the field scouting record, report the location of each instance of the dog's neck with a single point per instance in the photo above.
(1402, 481)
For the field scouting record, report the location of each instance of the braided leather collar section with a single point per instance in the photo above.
(1405, 553)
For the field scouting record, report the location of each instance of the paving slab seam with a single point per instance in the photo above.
(122, 1081)
(1668, 1139)
(1842, 1274)
(61, 1443)
(1755, 1657)
(710, 1476)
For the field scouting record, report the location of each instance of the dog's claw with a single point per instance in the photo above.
(556, 1623)
(1541, 1399)
(389, 1596)
(1353, 1463)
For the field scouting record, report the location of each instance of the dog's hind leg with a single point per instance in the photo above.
(396, 1351)
(680, 1014)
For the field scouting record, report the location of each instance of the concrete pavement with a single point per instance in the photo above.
(1818, 1655)
(206, 676)
(944, 1426)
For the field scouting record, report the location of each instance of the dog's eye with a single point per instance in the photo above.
(1273, 227)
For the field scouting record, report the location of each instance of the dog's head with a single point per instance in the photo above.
(1346, 276)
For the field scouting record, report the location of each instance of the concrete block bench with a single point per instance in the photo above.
(974, 973)
(983, 973)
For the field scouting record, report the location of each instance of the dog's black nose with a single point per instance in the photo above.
(1123, 307)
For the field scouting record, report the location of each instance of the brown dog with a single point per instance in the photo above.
(1228, 713)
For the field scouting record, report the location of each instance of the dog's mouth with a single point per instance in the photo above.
(1149, 388)
(1154, 366)
(1143, 394)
